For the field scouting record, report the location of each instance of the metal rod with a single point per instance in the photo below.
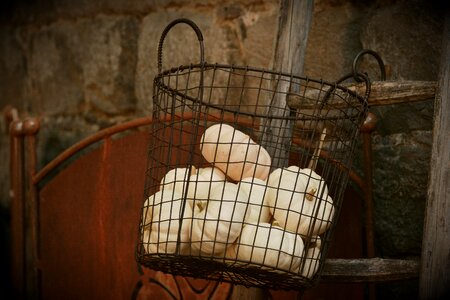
(17, 209)
(366, 132)
(30, 129)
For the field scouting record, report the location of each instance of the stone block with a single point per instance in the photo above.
(232, 35)
(108, 56)
(260, 29)
(333, 40)
(83, 66)
(406, 117)
(408, 36)
(180, 47)
(400, 187)
(12, 68)
(54, 73)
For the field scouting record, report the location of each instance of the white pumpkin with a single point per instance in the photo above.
(167, 218)
(311, 261)
(256, 189)
(201, 184)
(146, 240)
(176, 179)
(269, 245)
(234, 152)
(299, 200)
(220, 222)
(162, 196)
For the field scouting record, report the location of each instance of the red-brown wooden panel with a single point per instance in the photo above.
(89, 216)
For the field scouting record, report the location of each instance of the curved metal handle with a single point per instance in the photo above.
(377, 57)
(358, 77)
(200, 95)
(166, 30)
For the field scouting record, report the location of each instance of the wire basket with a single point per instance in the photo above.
(246, 172)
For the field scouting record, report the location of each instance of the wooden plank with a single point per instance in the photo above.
(293, 28)
(89, 213)
(435, 271)
(369, 270)
(382, 93)
(395, 92)
(290, 47)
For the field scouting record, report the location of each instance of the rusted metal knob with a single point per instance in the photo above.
(369, 123)
(31, 126)
(16, 128)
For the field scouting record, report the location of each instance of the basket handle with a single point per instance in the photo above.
(166, 30)
(359, 76)
(377, 57)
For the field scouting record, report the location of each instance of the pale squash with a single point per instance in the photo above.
(152, 201)
(312, 260)
(219, 224)
(234, 152)
(176, 179)
(201, 184)
(256, 189)
(269, 246)
(167, 218)
(299, 200)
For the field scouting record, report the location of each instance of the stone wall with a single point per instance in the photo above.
(83, 65)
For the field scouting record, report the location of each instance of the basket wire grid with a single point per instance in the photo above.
(246, 172)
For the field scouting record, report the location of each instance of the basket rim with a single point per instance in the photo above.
(208, 66)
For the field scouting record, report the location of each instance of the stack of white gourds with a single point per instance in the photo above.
(237, 210)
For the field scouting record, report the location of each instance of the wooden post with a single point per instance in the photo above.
(289, 56)
(292, 36)
(435, 265)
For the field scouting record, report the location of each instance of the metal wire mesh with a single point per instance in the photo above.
(246, 173)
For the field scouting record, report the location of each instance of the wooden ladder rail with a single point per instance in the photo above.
(376, 269)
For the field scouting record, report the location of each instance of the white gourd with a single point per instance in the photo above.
(201, 184)
(146, 240)
(256, 189)
(167, 218)
(269, 245)
(311, 261)
(152, 201)
(234, 152)
(299, 200)
(220, 222)
(176, 179)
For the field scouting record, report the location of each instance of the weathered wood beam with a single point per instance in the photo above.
(395, 92)
(435, 271)
(369, 270)
(382, 93)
